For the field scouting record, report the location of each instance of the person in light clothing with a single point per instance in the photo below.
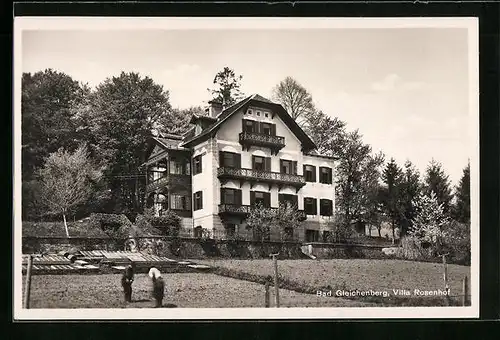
(158, 286)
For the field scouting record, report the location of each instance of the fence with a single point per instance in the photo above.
(218, 234)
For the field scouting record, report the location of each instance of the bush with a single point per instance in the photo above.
(143, 228)
(56, 229)
(114, 225)
(169, 223)
(457, 241)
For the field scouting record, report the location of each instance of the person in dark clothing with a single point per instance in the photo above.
(127, 279)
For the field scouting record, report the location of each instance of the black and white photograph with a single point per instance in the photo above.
(246, 168)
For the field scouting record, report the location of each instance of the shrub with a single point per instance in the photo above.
(457, 241)
(169, 223)
(114, 225)
(143, 227)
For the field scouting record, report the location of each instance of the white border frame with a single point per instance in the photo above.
(171, 23)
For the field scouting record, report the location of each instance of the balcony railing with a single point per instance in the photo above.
(261, 176)
(276, 143)
(169, 180)
(243, 210)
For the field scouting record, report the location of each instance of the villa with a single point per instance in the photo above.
(234, 158)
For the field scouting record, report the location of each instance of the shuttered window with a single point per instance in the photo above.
(326, 207)
(310, 173)
(229, 159)
(310, 206)
(325, 174)
(198, 200)
(230, 196)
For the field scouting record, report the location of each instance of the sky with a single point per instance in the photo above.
(405, 89)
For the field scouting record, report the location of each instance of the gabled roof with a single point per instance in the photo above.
(307, 143)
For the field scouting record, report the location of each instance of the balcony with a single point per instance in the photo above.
(275, 143)
(170, 181)
(244, 210)
(254, 176)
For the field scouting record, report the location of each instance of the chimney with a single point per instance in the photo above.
(215, 108)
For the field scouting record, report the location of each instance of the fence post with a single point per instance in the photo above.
(27, 290)
(267, 294)
(465, 288)
(276, 286)
(445, 278)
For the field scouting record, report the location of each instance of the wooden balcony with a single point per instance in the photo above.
(171, 181)
(254, 176)
(244, 210)
(275, 143)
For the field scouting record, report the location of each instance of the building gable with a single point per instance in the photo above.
(242, 106)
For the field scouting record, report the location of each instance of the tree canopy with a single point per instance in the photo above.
(227, 88)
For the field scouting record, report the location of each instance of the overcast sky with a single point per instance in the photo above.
(406, 90)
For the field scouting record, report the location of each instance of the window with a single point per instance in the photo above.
(258, 163)
(249, 112)
(287, 198)
(198, 232)
(310, 206)
(176, 166)
(326, 207)
(229, 159)
(197, 165)
(258, 113)
(261, 163)
(198, 200)
(179, 202)
(310, 173)
(265, 129)
(230, 229)
(266, 114)
(325, 175)
(312, 235)
(260, 197)
(248, 126)
(288, 233)
(288, 167)
(230, 196)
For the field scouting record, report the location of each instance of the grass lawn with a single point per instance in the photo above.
(351, 274)
(191, 290)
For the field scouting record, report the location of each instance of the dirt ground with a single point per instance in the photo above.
(351, 274)
(191, 290)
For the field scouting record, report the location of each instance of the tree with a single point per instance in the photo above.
(462, 194)
(430, 220)
(438, 182)
(227, 90)
(66, 180)
(327, 133)
(260, 220)
(410, 190)
(176, 121)
(392, 204)
(294, 97)
(288, 219)
(48, 121)
(117, 121)
(358, 173)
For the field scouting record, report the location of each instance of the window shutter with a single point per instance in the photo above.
(188, 202)
(222, 199)
(201, 199)
(221, 158)
(280, 198)
(314, 174)
(238, 197)
(330, 207)
(237, 160)
(252, 197)
(267, 161)
(330, 176)
(315, 205)
(294, 165)
(296, 201)
(304, 171)
(273, 129)
(267, 199)
(255, 126)
(243, 125)
(253, 162)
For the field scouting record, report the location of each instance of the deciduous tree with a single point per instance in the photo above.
(66, 181)
(293, 97)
